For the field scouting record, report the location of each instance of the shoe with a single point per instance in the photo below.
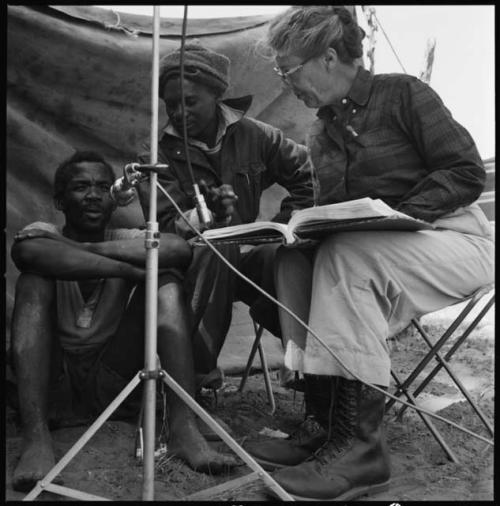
(299, 446)
(354, 460)
(319, 397)
(212, 380)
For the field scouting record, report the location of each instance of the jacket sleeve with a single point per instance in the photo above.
(288, 164)
(456, 174)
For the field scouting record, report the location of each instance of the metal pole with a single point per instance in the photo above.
(151, 309)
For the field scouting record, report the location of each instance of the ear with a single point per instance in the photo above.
(331, 58)
(58, 203)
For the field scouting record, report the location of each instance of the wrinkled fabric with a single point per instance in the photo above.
(360, 288)
(393, 138)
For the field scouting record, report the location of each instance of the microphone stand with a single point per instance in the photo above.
(151, 309)
(151, 372)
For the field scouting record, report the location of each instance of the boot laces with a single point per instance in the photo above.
(307, 429)
(341, 429)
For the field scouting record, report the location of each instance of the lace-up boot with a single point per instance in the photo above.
(310, 435)
(354, 461)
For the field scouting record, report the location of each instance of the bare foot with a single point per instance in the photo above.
(36, 461)
(188, 444)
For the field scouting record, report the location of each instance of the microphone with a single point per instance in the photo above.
(204, 215)
(122, 190)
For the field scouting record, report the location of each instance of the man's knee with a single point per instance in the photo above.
(35, 289)
(171, 303)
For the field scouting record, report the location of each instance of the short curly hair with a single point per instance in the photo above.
(309, 30)
(65, 171)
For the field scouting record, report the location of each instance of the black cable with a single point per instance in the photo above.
(183, 102)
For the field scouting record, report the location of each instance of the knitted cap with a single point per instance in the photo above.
(201, 65)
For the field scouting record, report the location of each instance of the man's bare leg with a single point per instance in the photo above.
(124, 355)
(176, 357)
(31, 335)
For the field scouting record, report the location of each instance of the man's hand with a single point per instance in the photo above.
(219, 200)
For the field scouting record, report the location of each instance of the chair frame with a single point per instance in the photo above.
(257, 346)
(403, 387)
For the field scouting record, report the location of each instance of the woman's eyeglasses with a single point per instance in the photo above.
(286, 75)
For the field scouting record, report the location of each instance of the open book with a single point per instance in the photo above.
(319, 221)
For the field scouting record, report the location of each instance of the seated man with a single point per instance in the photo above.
(234, 158)
(77, 286)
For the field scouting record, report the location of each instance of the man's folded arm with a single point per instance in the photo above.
(62, 260)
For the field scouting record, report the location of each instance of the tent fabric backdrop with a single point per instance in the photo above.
(79, 78)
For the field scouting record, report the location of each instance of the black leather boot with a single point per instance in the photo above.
(311, 433)
(354, 461)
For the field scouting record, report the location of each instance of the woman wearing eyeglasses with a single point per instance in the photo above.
(385, 136)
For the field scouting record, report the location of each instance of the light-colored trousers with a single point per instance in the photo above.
(357, 289)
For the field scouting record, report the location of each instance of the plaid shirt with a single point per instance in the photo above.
(392, 138)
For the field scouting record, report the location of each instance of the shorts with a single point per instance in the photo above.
(95, 385)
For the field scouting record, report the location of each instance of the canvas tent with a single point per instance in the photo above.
(78, 77)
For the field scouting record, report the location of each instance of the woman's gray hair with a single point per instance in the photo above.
(309, 30)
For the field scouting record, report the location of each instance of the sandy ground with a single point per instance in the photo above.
(107, 467)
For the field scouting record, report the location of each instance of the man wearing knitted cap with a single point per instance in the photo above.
(234, 159)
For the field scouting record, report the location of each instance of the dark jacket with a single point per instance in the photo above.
(253, 156)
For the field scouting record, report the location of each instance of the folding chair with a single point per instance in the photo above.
(403, 387)
(257, 345)
(262, 319)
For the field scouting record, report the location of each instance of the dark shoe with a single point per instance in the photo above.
(354, 461)
(319, 397)
(212, 380)
(278, 453)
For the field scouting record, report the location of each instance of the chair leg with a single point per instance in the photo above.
(258, 335)
(257, 346)
(267, 379)
(428, 422)
(443, 362)
(402, 387)
(439, 344)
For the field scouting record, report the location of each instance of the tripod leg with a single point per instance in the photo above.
(191, 403)
(83, 439)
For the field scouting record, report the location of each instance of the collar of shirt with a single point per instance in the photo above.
(227, 116)
(359, 92)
